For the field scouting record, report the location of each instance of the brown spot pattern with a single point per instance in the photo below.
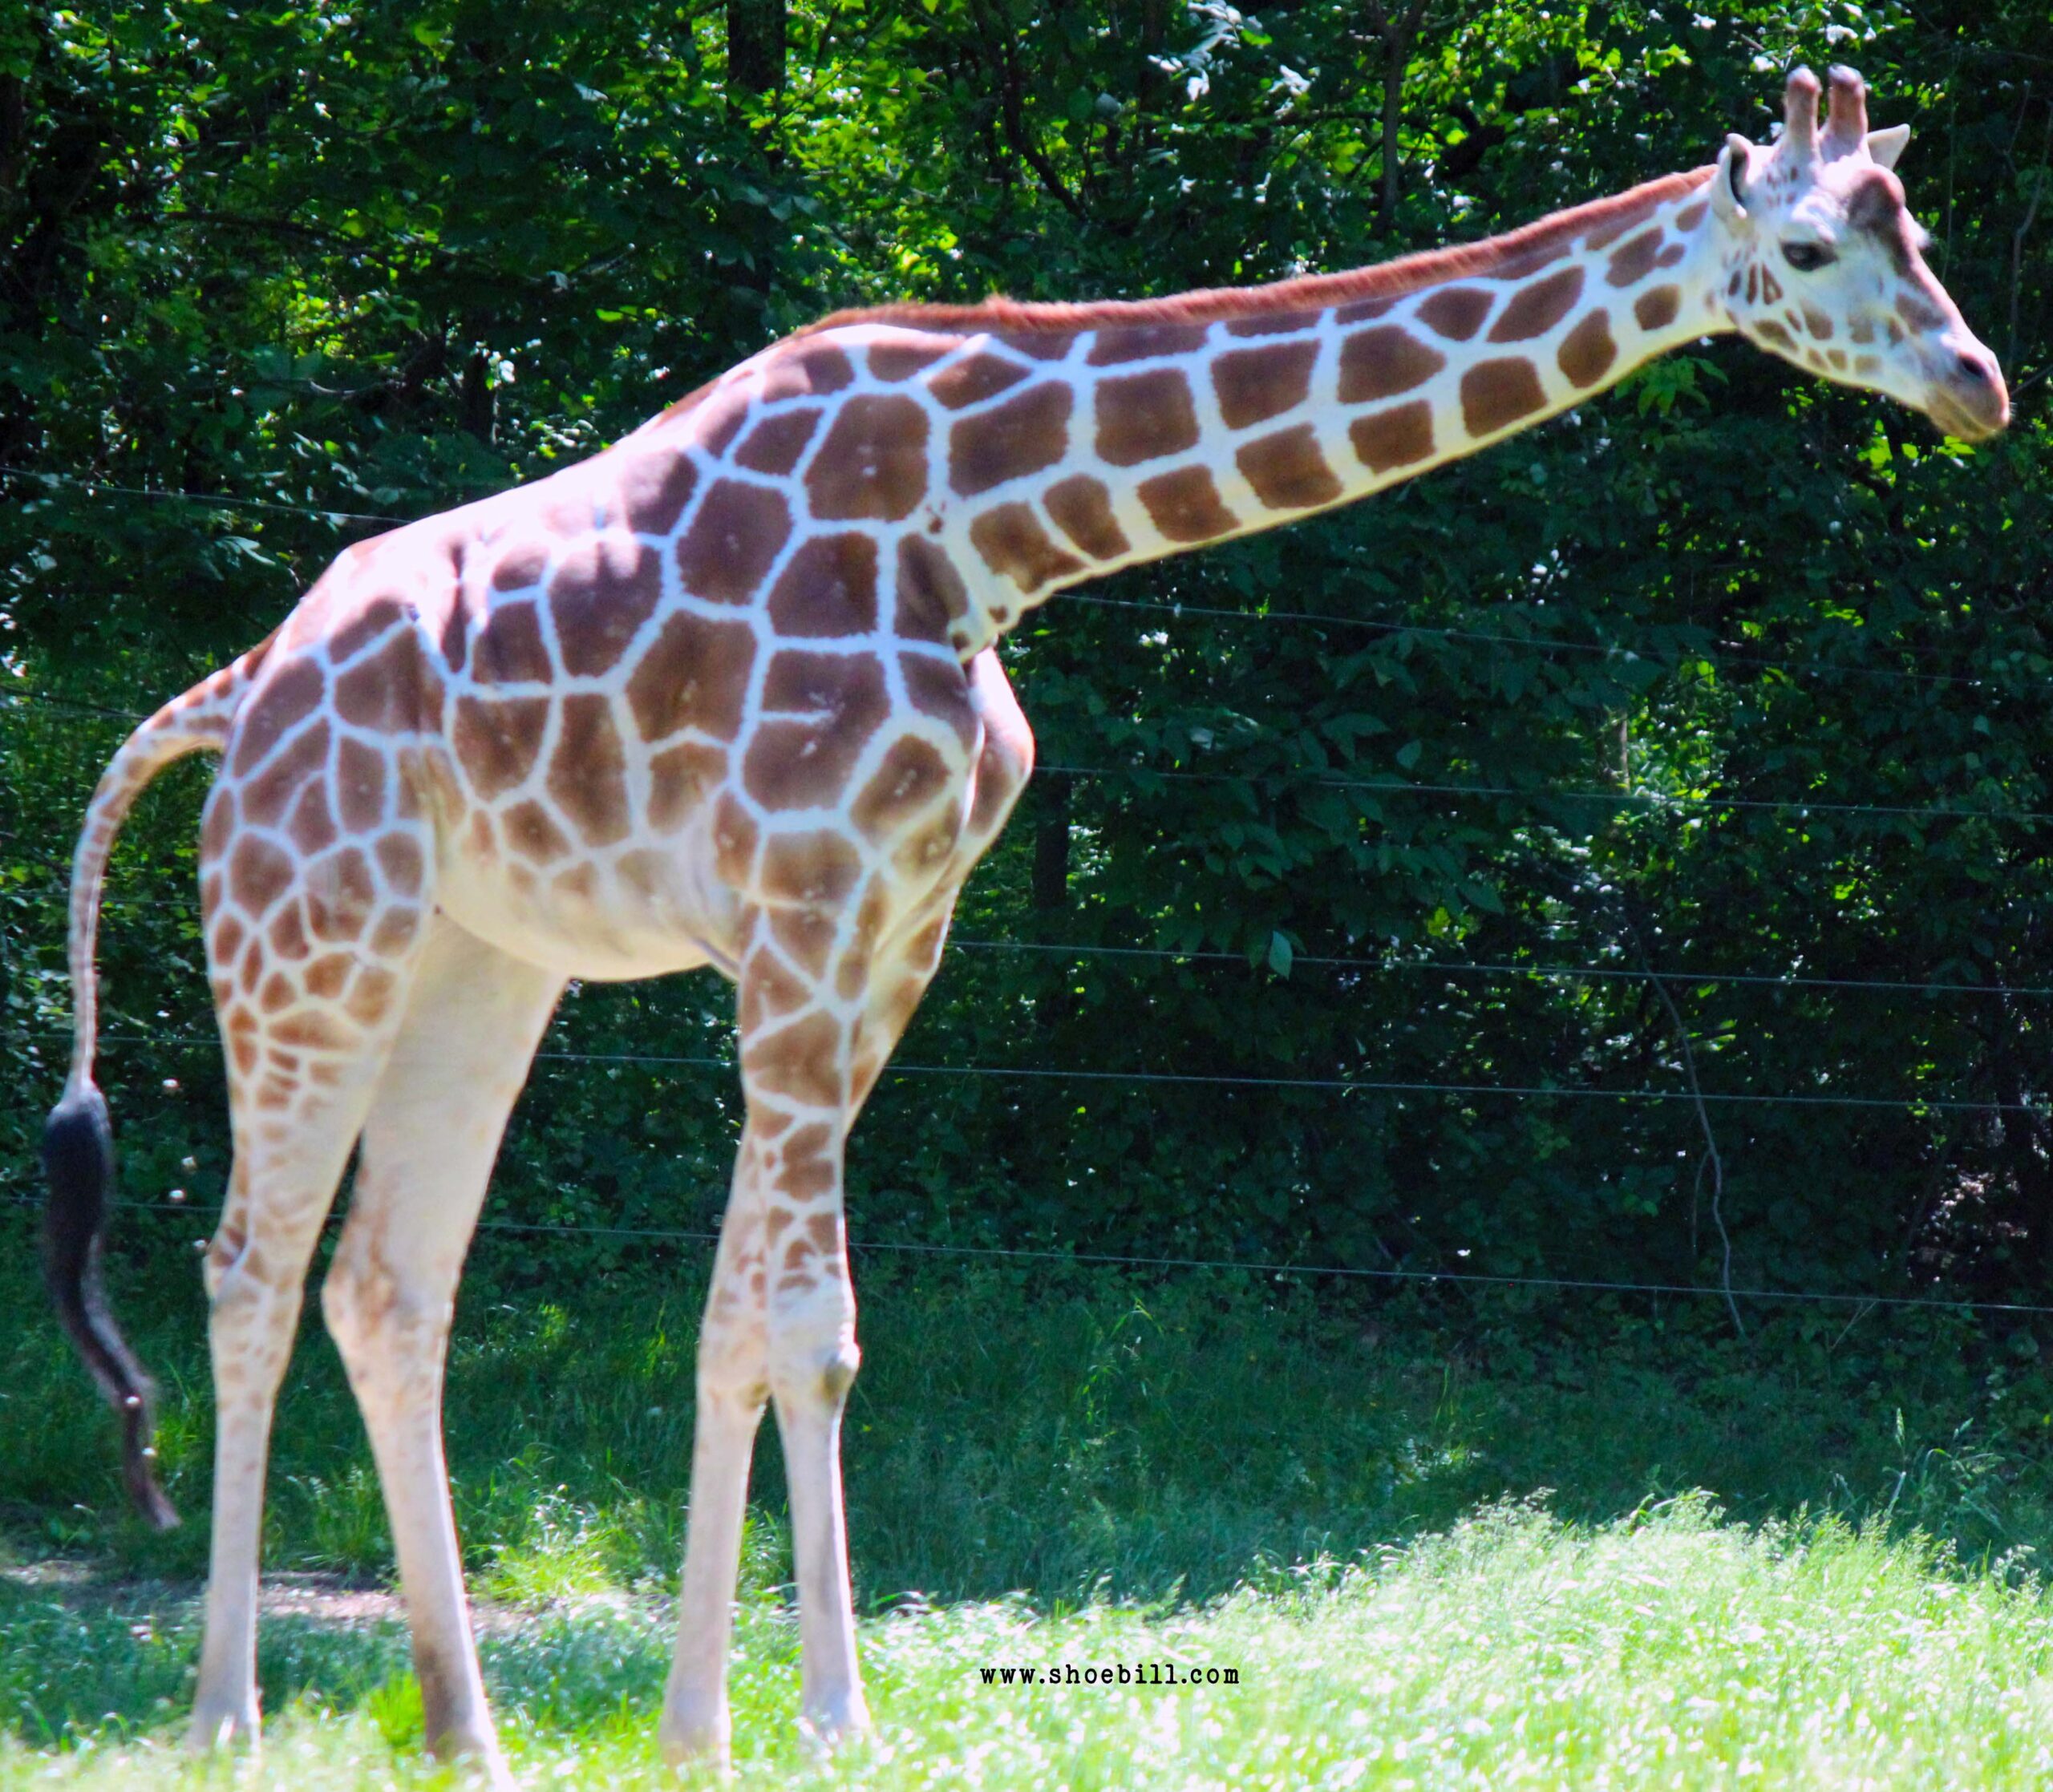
(284, 701)
(738, 533)
(1656, 308)
(1140, 342)
(1496, 393)
(974, 378)
(873, 462)
(891, 362)
(532, 832)
(258, 874)
(1382, 362)
(680, 779)
(1401, 436)
(939, 688)
(912, 776)
(1082, 508)
(399, 859)
(360, 631)
(604, 588)
(1633, 260)
(1013, 544)
(930, 594)
(1020, 436)
(588, 773)
(380, 692)
(268, 795)
(802, 1062)
(1587, 351)
(360, 775)
(1185, 506)
(775, 444)
(654, 488)
(521, 565)
(1254, 385)
(695, 675)
(827, 589)
(496, 742)
(1145, 416)
(813, 367)
(1291, 323)
(801, 762)
(1455, 312)
(1537, 308)
(1287, 470)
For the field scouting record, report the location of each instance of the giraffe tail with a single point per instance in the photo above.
(77, 1141)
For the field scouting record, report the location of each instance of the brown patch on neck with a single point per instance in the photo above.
(1491, 258)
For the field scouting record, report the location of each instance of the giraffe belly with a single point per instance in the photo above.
(640, 912)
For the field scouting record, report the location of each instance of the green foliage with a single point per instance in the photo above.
(379, 260)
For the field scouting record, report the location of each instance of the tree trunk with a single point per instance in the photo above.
(755, 46)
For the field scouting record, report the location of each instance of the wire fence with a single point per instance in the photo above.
(1912, 1103)
(1241, 1266)
(1313, 778)
(1675, 654)
(1264, 617)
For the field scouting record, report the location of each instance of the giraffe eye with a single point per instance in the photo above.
(1807, 257)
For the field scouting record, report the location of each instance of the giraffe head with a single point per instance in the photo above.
(1823, 266)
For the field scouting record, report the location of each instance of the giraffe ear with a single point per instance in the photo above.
(1728, 186)
(1886, 146)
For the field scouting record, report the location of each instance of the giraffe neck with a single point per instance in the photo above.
(1129, 433)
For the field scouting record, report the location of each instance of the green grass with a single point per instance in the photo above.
(1340, 1499)
(1513, 1650)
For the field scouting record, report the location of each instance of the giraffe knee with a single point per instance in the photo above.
(813, 1357)
(821, 1375)
(367, 1304)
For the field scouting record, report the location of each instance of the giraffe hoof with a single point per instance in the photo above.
(832, 1722)
(217, 1730)
(703, 1746)
(474, 1753)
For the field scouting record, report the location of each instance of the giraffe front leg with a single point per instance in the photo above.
(805, 1070)
(813, 1360)
(733, 1384)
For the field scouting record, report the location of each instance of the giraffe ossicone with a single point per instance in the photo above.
(725, 694)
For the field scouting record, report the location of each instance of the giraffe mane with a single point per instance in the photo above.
(1516, 252)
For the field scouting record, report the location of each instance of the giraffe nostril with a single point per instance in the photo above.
(1972, 369)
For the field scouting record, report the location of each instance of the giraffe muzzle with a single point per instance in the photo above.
(1966, 394)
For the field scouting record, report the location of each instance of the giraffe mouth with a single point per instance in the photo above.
(1964, 394)
(1955, 418)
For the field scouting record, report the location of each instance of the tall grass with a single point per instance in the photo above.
(1073, 1465)
(1513, 1650)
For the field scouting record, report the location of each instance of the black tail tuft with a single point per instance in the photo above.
(77, 1158)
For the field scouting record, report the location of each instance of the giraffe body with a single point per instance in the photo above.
(727, 694)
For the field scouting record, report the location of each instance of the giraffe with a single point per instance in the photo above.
(726, 694)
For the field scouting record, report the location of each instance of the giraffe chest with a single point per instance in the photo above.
(590, 873)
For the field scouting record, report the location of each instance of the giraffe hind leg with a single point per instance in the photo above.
(300, 1079)
(473, 1018)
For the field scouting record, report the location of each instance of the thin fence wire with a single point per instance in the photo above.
(116, 901)
(1616, 799)
(1458, 1278)
(1294, 779)
(1219, 612)
(1012, 1073)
